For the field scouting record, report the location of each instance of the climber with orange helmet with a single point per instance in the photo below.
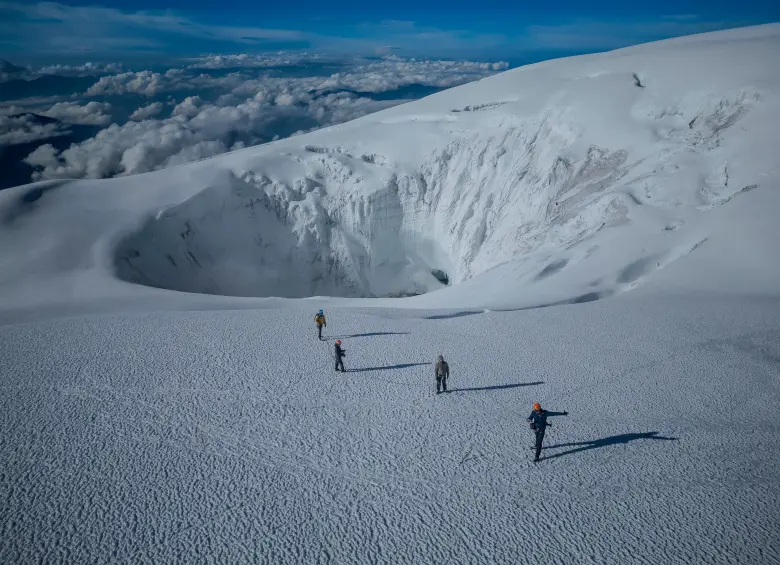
(539, 423)
(340, 353)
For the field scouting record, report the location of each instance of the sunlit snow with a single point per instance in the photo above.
(598, 234)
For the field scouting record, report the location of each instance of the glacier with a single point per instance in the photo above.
(492, 183)
(552, 171)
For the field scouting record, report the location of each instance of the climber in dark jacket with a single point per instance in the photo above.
(340, 353)
(538, 420)
(442, 371)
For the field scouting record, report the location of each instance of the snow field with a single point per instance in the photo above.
(228, 437)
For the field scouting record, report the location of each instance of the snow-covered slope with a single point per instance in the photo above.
(564, 181)
(219, 433)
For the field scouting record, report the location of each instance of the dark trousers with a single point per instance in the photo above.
(441, 382)
(319, 330)
(340, 363)
(539, 439)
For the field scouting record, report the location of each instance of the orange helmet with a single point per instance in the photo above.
(537, 406)
(338, 342)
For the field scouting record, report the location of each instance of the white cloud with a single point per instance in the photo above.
(284, 99)
(147, 112)
(147, 83)
(221, 61)
(189, 107)
(387, 74)
(91, 113)
(253, 110)
(87, 69)
(44, 156)
(195, 131)
(26, 125)
(27, 128)
(392, 73)
(257, 61)
(9, 71)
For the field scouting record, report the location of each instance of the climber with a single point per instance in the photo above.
(538, 420)
(340, 353)
(320, 320)
(442, 372)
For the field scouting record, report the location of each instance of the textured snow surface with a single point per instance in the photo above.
(227, 437)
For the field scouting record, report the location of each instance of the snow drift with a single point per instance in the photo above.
(576, 179)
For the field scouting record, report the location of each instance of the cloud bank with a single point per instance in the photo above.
(186, 114)
(26, 128)
(20, 126)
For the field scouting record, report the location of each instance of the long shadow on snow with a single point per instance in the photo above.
(454, 315)
(367, 334)
(401, 366)
(496, 387)
(604, 442)
(581, 299)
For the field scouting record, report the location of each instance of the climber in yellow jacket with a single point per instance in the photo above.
(320, 320)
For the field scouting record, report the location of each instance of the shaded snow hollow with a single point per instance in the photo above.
(528, 168)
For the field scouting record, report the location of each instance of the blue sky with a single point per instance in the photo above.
(484, 29)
